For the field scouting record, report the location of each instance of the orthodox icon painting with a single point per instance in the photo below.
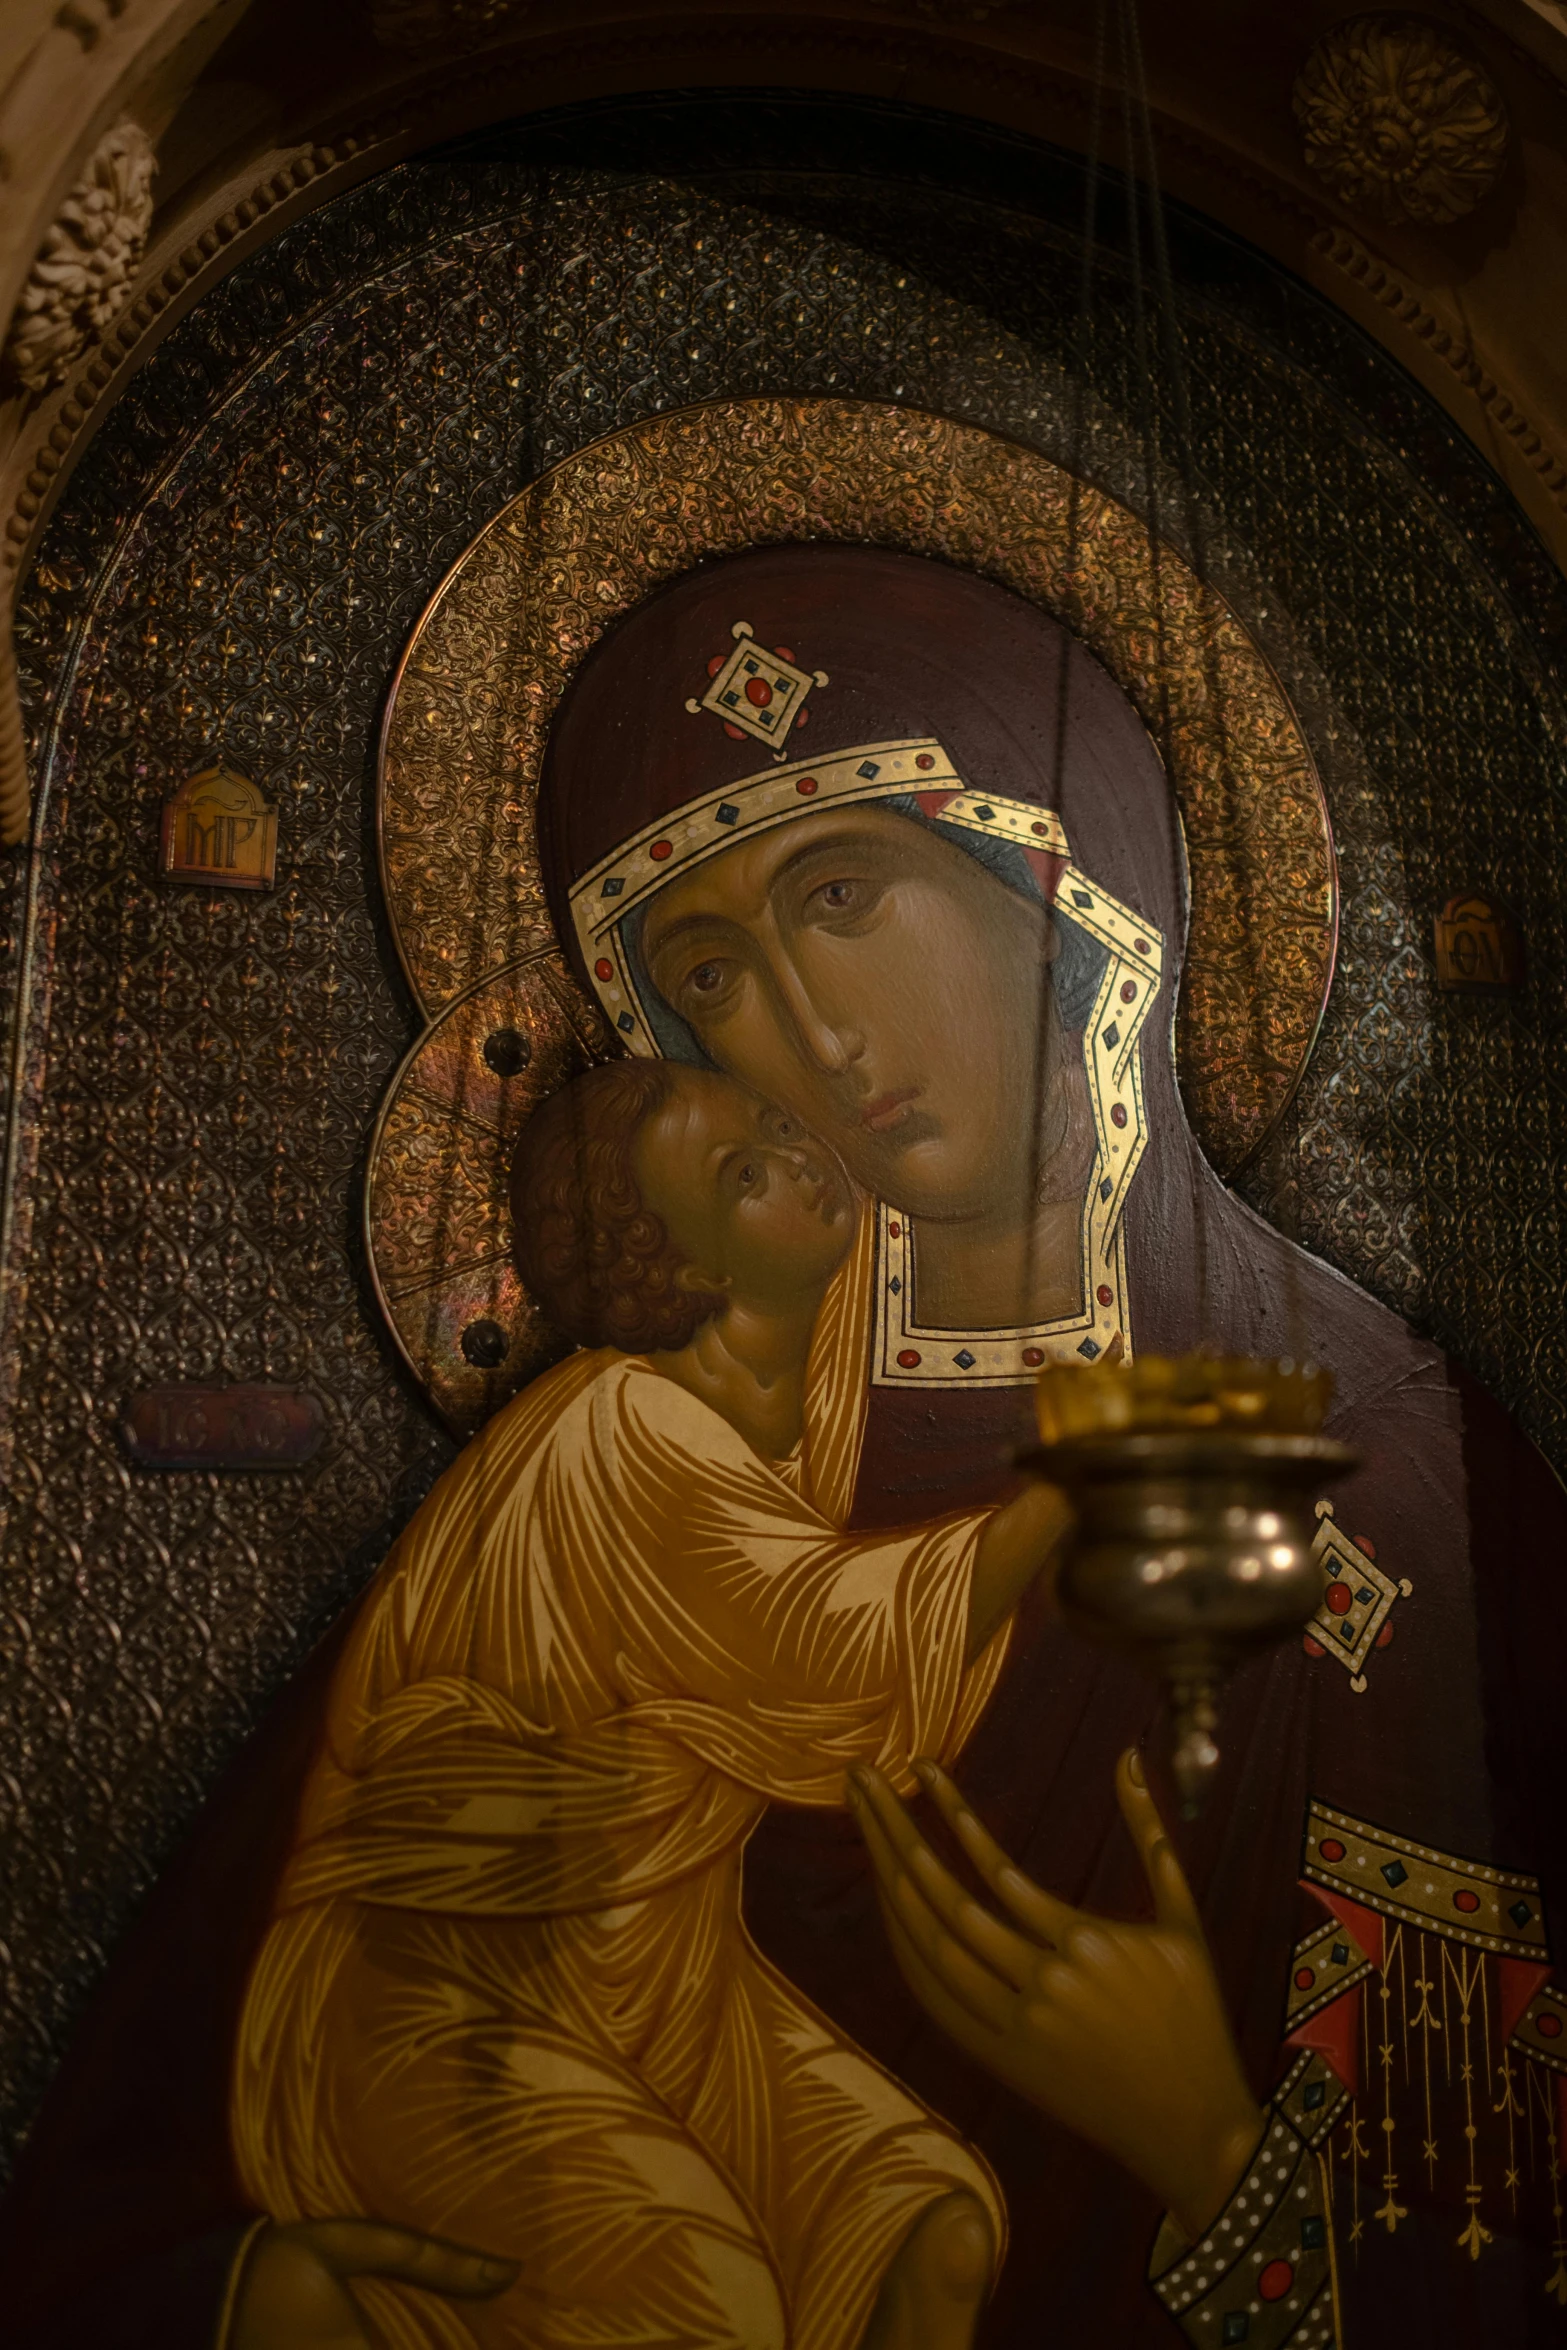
(815, 833)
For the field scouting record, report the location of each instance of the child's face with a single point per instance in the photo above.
(756, 1205)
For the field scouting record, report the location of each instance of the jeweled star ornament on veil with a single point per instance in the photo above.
(755, 692)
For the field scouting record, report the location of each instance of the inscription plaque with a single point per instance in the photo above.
(219, 833)
(255, 1426)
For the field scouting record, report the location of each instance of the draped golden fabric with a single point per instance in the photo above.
(508, 1996)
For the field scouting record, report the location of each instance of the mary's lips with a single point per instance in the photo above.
(887, 1108)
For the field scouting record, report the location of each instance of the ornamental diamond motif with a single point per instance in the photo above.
(757, 692)
(1357, 1600)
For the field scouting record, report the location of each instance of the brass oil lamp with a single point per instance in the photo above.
(1193, 1481)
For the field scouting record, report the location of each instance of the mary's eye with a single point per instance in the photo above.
(706, 979)
(836, 895)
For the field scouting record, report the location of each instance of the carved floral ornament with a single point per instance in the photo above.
(1399, 121)
(87, 263)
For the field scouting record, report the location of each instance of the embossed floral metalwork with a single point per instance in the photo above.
(1399, 121)
(436, 1216)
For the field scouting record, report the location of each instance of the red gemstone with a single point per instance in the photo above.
(716, 664)
(1312, 1647)
(1033, 1356)
(801, 715)
(1305, 1976)
(925, 762)
(1129, 992)
(603, 968)
(1041, 829)
(660, 850)
(758, 692)
(1548, 2026)
(1118, 1118)
(1330, 1848)
(908, 1360)
(783, 652)
(1385, 1636)
(1141, 944)
(736, 734)
(1105, 1294)
(1275, 2280)
(1365, 1543)
(1340, 1598)
(895, 1230)
(1467, 1902)
(806, 785)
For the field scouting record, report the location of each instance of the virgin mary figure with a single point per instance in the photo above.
(883, 841)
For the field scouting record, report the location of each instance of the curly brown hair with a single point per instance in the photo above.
(584, 1240)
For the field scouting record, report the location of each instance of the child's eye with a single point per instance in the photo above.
(748, 1172)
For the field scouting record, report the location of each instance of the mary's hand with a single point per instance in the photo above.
(293, 2292)
(1116, 2030)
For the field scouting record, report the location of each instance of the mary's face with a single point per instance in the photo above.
(880, 984)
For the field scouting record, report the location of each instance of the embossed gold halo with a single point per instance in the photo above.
(464, 737)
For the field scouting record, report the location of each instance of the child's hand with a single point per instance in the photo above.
(1116, 2030)
(293, 2291)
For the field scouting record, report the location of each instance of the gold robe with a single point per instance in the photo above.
(508, 1996)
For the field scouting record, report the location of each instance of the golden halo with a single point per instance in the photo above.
(471, 707)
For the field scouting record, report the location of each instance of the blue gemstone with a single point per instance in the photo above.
(1088, 1348)
(1237, 2325)
(1106, 1188)
(749, 666)
(732, 701)
(963, 1359)
(1080, 897)
(1112, 1037)
(1365, 1595)
(895, 1284)
(1395, 1873)
(726, 814)
(867, 767)
(625, 1021)
(1520, 1913)
(985, 815)
(1349, 1636)
(1340, 1954)
(1313, 2233)
(1312, 2095)
(613, 888)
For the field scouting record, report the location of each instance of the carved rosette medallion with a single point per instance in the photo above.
(472, 706)
(1399, 121)
(87, 263)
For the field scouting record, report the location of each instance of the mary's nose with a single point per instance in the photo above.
(830, 1039)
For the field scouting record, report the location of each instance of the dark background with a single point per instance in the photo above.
(234, 569)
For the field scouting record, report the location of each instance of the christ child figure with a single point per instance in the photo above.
(508, 1996)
